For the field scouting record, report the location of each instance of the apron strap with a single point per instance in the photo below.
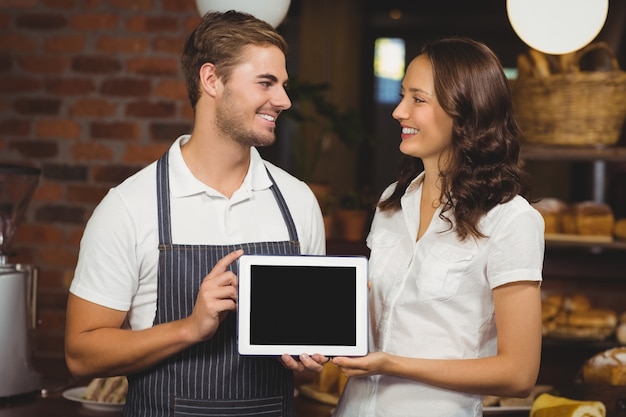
(164, 210)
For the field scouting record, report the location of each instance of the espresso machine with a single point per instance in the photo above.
(18, 286)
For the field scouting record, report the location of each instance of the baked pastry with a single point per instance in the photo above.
(109, 390)
(551, 209)
(619, 230)
(589, 218)
(608, 367)
(548, 405)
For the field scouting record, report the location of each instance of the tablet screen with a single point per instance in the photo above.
(302, 304)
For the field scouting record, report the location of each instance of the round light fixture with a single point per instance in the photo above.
(272, 11)
(557, 27)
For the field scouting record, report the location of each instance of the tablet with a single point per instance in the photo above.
(302, 304)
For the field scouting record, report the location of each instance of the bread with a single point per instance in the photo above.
(109, 390)
(548, 405)
(619, 230)
(551, 209)
(608, 367)
(588, 218)
(573, 317)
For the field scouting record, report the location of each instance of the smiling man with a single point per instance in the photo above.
(155, 288)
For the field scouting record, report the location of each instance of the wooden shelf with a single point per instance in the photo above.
(571, 153)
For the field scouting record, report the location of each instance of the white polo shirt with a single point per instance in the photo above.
(432, 298)
(118, 259)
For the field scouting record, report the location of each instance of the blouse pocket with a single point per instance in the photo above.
(442, 271)
(388, 255)
(267, 407)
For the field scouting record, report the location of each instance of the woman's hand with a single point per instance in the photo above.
(372, 364)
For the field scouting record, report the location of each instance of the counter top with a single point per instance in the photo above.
(56, 379)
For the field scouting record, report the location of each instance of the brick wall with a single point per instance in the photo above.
(90, 92)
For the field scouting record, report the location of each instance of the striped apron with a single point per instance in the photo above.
(209, 378)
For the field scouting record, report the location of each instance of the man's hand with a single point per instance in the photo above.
(216, 297)
(313, 363)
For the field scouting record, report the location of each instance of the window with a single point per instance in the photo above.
(389, 62)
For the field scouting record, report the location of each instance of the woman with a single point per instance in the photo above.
(456, 251)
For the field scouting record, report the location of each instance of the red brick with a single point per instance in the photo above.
(96, 64)
(91, 151)
(186, 112)
(113, 174)
(18, 84)
(134, 5)
(118, 44)
(179, 5)
(85, 193)
(49, 191)
(41, 233)
(6, 63)
(65, 44)
(115, 130)
(57, 128)
(37, 105)
(12, 42)
(70, 86)
(65, 172)
(169, 45)
(168, 131)
(174, 89)
(41, 21)
(93, 107)
(75, 235)
(61, 4)
(60, 257)
(35, 148)
(18, 3)
(144, 154)
(42, 64)
(16, 127)
(148, 109)
(153, 66)
(93, 22)
(191, 23)
(55, 213)
(125, 87)
(142, 23)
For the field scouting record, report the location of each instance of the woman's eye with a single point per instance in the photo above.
(417, 100)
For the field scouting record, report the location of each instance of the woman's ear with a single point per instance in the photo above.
(208, 79)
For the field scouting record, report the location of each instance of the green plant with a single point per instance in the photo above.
(319, 121)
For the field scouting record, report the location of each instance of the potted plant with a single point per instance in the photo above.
(353, 214)
(318, 122)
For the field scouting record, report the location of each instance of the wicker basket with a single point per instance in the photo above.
(575, 109)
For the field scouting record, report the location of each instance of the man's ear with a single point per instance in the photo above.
(208, 79)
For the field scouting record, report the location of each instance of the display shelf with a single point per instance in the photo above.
(571, 153)
(594, 245)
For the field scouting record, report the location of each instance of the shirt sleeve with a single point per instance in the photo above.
(517, 249)
(106, 272)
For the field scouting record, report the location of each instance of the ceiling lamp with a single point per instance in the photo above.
(272, 11)
(557, 27)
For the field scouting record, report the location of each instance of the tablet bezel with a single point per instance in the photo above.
(246, 262)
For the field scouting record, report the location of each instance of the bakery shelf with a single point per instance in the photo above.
(591, 242)
(571, 153)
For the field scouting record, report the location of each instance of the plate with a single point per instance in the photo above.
(493, 411)
(75, 394)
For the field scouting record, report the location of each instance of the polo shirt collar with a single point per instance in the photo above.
(183, 183)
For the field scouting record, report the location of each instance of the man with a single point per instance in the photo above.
(154, 292)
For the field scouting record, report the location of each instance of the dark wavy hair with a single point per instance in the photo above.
(484, 167)
(220, 39)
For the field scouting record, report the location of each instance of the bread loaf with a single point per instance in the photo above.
(619, 230)
(608, 367)
(588, 218)
(551, 209)
(548, 405)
